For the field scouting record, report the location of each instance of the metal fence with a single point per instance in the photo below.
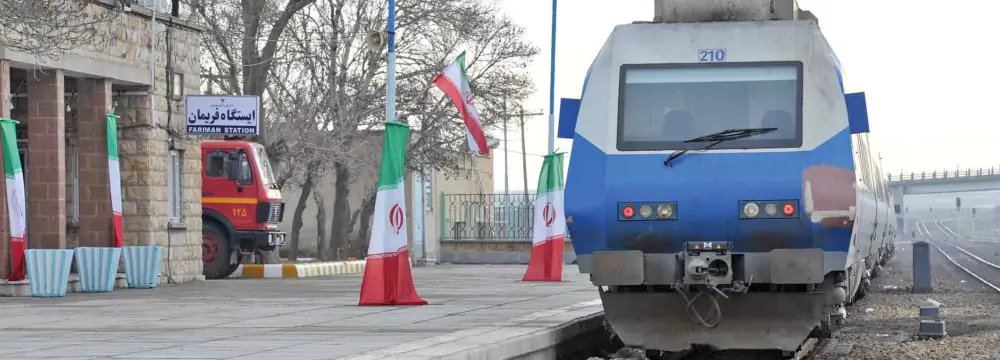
(944, 174)
(496, 217)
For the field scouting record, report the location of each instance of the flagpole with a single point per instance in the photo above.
(552, 83)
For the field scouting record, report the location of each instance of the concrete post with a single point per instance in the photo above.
(921, 268)
(418, 209)
(5, 102)
(898, 193)
(92, 154)
(46, 171)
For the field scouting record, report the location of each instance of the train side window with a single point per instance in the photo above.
(216, 164)
(880, 180)
(868, 166)
(864, 162)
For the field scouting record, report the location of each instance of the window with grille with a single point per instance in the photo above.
(174, 183)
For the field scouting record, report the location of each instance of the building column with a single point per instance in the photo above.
(47, 160)
(94, 103)
(5, 102)
(134, 147)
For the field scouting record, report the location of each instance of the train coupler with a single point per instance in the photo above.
(708, 263)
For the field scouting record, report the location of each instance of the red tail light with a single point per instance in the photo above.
(628, 212)
(788, 210)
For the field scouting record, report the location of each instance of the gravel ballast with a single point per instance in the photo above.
(884, 324)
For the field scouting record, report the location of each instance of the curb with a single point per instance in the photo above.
(21, 288)
(295, 271)
(533, 336)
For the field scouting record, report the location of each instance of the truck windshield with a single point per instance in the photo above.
(264, 164)
(660, 106)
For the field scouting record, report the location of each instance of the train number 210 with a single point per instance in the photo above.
(240, 212)
(711, 55)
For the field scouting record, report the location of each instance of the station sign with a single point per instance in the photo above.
(225, 115)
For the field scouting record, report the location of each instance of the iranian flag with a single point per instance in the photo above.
(15, 199)
(549, 230)
(387, 279)
(454, 83)
(115, 178)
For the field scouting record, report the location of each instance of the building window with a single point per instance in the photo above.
(174, 184)
(177, 86)
(162, 6)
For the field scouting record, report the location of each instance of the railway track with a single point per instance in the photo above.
(605, 349)
(982, 263)
(975, 238)
(810, 347)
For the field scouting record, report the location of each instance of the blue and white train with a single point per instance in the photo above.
(722, 190)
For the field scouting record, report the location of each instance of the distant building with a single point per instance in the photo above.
(365, 177)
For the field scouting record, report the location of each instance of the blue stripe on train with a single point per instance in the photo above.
(707, 188)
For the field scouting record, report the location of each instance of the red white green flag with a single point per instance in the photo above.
(453, 82)
(387, 279)
(549, 230)
(115, 179)
(15, 199)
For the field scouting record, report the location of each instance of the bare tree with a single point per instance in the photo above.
(320, 224)
(429, 35)
(48, 28)
(248, 69)
(326, 90)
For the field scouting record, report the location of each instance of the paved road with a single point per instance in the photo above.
(280, 319)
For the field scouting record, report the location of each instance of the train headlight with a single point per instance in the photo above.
(664, 211)
(751, 210)
(770, 209)
(645, 211)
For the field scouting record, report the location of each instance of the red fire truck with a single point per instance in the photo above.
(241, 207)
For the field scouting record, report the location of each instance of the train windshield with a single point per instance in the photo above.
(660, 106)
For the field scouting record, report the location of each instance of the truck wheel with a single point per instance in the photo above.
(215, 253)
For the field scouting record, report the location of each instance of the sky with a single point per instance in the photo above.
(927, 71)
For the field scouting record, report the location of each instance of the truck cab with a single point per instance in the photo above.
(241, 206)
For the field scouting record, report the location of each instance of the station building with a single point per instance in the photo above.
(61, 107)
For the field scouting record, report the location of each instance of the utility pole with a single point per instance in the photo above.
(506, 172)
(524, 169)
(524, 152)
(524, 155)
(552, 85)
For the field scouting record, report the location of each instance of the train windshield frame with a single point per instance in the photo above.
(661, 105)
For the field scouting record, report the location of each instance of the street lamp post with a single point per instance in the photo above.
(390, 87)
(552, 84)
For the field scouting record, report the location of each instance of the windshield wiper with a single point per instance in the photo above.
(717, 138)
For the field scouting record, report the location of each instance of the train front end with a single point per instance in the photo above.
(711, 182)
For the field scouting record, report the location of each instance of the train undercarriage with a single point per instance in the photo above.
(710, 312)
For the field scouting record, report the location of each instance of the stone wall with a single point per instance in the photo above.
(121, 50)
(122, 55)
(145, 146)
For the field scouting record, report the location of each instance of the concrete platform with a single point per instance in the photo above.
(476, 312)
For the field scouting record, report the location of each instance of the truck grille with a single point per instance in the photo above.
(271, 213)
(275, 213)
